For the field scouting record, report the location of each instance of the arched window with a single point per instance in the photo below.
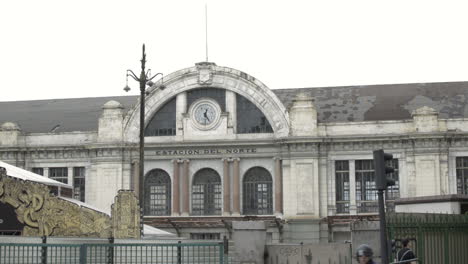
(249, 118)
(163, 123)
(206, 193)
(257, 192)
(157, 193)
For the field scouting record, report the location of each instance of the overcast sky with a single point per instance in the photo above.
(64, 49)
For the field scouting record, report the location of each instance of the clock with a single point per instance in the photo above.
(205, 113)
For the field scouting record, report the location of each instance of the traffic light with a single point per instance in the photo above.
(381, 171)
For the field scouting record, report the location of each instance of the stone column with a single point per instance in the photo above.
(70, 176)
(231, 107)
(236, 188)
(352, 188)
(181, 109)
(226, 188)
(185, 189)
(278, 187)
(175, 189)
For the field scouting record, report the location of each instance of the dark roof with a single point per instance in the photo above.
(59, 115)
(383, 102)
(334, 104)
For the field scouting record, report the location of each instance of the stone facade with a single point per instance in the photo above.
(301, 154)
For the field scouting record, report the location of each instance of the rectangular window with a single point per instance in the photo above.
(366, 193)
(393, 192)
(79, 183)
(462, 175)
(342, 186)
(39, 171)
(59, 174)
(205, 236)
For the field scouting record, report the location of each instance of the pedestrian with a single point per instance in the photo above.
(364, 254)
(405, 255)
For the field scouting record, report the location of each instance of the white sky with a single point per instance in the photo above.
(63, 49)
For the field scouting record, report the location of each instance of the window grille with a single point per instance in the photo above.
(39, 171)
(79, 183)
(157, 193)
(342, 186)
(393, 192)
(205, 236)
(206, 193)
(462, 175)
(59, 174)
(249, 118)
(257, 192)
(366, 193)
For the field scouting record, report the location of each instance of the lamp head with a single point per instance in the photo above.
(126, 88)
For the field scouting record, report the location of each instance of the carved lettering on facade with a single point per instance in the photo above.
(184, 152)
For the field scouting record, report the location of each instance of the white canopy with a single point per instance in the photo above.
(22, 174)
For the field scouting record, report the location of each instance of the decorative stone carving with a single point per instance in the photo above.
(47, 215)
(126, 215)
(205, 76)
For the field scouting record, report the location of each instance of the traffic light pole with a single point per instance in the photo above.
(383, 228)
(381, 184)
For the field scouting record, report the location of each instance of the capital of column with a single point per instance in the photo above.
(235, 159)
(185, 161)
(176, 161)
(277, 158)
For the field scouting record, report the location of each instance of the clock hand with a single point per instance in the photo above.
(206, 115)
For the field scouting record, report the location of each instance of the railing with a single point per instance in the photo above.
(169, 253)
(434, 238)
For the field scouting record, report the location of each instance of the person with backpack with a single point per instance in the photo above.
(405, 255)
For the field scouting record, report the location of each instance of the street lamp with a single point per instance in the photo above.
(144, 80)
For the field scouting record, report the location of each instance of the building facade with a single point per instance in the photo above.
(221, 146)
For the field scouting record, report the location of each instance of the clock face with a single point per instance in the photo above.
(205, 114)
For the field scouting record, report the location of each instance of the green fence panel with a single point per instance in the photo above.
(170, 253)
(436, 238)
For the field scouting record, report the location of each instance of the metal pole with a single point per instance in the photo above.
(383, 227)
(142, 80)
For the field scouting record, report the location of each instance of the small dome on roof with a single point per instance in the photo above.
(112, 104)
(8, 126)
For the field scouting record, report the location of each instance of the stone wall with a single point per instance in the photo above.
(308, 253)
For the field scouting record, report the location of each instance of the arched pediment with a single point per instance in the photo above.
(207, 74)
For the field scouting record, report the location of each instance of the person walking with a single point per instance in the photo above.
(405, 255)
(364, 254)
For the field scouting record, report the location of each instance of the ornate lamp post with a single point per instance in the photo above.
(144, 80)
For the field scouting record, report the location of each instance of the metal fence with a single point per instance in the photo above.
(167, 253)
(435, 238)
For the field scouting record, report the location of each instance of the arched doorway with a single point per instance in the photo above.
(206, 193)
(257, 196)
(157, 193)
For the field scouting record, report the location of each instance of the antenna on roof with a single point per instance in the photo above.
(206, 30)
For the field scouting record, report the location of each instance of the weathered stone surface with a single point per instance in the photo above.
(126, 215)
(47, 215)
